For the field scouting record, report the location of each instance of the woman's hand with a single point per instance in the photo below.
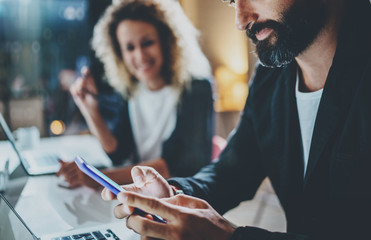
(74, 176)
(84, 93)
(187, 217)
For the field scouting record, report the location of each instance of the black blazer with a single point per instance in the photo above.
(333, 200)
(189, 146)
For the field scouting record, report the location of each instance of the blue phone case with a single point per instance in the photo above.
(98, 176)
(105, 181)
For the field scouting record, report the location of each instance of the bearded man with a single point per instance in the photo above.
(306, 126)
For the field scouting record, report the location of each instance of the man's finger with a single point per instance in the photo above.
(187, 201)
(132, 188)
(107, 195)
(148, 228)
(148, 204)
(122, 211)
(142, 175)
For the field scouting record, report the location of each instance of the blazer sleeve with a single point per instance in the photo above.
(253, 233)
(188, 148)
(237, 174)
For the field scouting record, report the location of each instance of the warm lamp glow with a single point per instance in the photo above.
(57, 127)
(224, 75)
(238, 63)
(234, 55)
(232, 90)
(239, 93)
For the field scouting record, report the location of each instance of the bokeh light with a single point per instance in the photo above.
(57, 127)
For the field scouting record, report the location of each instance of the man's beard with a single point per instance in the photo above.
(299, 26)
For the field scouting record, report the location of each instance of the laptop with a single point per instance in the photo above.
(45, 158)
(13, 227)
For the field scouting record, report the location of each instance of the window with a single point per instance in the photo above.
(43, 43)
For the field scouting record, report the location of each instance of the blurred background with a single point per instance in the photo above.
(44, 44)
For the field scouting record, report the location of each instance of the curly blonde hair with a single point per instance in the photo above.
(183, 58)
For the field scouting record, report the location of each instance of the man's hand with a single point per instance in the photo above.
(187, 217)
(147, 181)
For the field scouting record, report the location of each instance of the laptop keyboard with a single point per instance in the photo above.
(47, 159)
(97, 235)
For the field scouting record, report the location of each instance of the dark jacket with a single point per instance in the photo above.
(187, 149)
(333, 200)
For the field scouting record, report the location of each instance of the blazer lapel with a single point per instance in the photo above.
(335, 99)
(328, 115)
(287, 127)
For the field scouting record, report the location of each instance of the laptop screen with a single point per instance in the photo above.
(6, 128)
(9, 136)
(12, 226)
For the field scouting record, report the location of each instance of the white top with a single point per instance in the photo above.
(153, 118)
(307, 104)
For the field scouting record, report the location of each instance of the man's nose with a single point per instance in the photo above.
(244, 14)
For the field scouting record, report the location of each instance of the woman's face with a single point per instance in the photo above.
(141, 51)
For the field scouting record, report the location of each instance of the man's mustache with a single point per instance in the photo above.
(258, 26)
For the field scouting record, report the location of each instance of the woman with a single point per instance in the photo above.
(152, 58)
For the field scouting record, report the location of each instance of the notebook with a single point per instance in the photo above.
(13, 227)
(45, 158)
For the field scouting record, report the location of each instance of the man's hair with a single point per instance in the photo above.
(178, 39)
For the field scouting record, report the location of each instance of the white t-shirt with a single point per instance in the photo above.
(307, 104)
(153, 118)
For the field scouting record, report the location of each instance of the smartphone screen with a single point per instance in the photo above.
(105, 181)
(104, 177)
(98, 176)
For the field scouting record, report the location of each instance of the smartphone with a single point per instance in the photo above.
(105, 181)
